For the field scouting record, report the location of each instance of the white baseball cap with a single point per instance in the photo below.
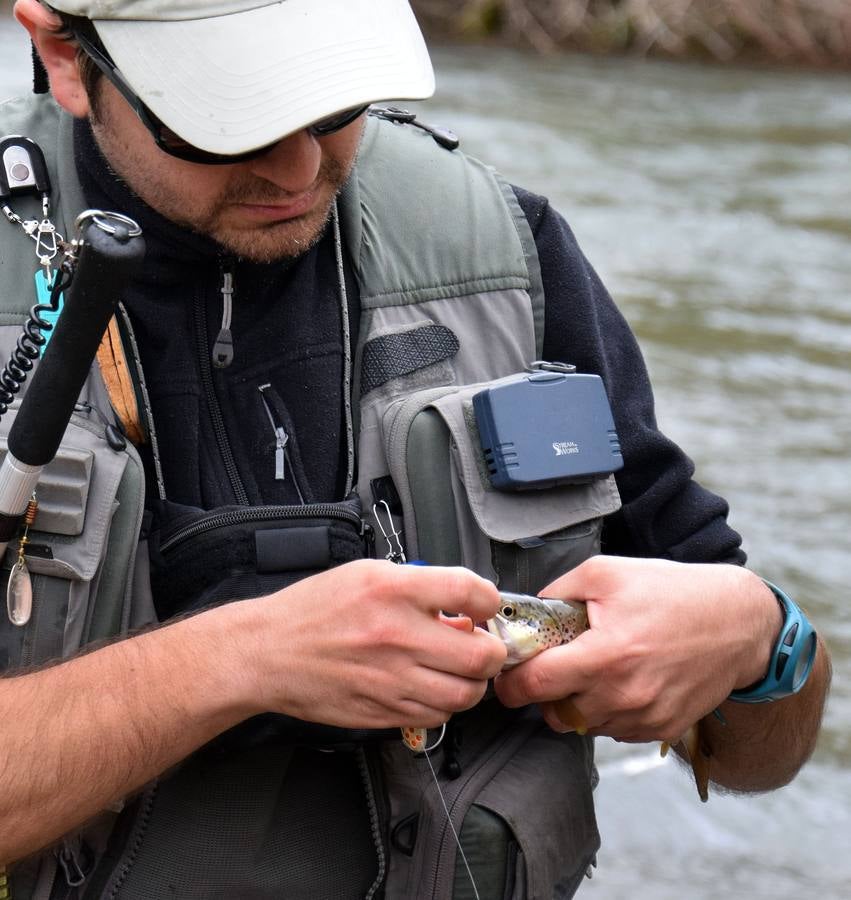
(230, 76)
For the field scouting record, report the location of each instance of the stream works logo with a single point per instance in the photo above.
(565, 448)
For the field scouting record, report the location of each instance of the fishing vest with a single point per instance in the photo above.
(451, 299)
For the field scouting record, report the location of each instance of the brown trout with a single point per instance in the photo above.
(528, 626)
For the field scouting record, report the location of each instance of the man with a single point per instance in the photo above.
(228, 129)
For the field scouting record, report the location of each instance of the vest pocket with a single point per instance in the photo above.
(80, 550)
(255, 823)
(526, 565)
(452, 515)
(544, 796)
(491, 852)
(520, 798)
(200, 558)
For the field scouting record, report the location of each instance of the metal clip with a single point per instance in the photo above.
(47, 240)
(542, 365)
(395, 553)
(123, 227)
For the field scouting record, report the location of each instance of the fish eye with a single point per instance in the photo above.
(507, 611)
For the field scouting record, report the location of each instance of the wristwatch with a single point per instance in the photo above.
(791, 660)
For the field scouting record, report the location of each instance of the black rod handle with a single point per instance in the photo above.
(111, 253)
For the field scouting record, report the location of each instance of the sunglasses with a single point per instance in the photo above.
(170, 142)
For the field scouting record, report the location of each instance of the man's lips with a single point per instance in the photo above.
(279, 210)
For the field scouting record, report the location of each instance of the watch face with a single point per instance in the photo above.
(804, 662)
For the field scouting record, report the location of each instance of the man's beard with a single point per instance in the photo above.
(171, 196)
(275, 241)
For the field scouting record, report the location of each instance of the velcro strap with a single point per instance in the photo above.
(393, 355)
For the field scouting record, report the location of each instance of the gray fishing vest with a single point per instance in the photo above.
(451, 298)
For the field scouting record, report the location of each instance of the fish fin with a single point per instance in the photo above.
(697, 751)
(414, 738)
(570, 716)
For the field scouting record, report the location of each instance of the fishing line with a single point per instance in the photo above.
(451, 826)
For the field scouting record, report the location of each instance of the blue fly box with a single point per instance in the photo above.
(546, 428)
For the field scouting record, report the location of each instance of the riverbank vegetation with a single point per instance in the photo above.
(809, 32)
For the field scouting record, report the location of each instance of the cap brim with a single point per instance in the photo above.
(233, 83)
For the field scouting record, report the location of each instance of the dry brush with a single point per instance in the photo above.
(812, 32)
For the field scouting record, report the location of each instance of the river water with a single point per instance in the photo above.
(716, 205)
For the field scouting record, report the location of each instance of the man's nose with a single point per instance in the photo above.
(292, 164)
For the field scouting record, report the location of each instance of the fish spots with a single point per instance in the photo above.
(529, 625)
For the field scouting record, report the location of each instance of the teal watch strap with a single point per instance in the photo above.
(791, 660)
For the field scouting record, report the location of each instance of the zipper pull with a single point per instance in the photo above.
(70, 860)
(281, 454)
(368, 536)
(223, 348)
(281, 437)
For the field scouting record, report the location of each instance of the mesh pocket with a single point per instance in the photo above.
(304, 831)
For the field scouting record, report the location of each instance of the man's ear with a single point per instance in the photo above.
(59, 56)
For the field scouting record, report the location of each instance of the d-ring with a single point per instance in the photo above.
(104, 221)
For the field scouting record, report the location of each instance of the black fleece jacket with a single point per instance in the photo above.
(286, 334)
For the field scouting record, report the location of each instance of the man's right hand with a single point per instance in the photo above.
(363, 646)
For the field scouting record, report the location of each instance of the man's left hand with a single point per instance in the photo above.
(667, 644)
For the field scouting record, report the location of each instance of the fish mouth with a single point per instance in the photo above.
(498, 628)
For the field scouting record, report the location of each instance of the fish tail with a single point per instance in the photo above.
(569, 715)
(697, 751)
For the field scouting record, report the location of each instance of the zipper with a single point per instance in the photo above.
(132, 345)
(134, 843)
(282, 439)
(260, 514)
(374, 823)
(206, 367)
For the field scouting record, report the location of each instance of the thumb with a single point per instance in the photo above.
(554, 674)
(578, 583)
